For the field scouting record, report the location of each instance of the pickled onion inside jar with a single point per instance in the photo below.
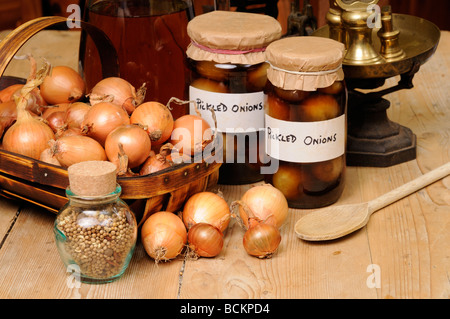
(319, 107)
(289, 179)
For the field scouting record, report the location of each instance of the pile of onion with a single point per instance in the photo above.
(206, 215)
(262, 211)
(55, 121)
(206, 207)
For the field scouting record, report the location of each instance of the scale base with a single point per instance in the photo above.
(383, 152)
(373, 139)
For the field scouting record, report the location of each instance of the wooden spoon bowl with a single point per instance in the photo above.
(337, 221)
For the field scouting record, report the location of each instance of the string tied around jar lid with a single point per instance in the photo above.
(226, 51)
(323, 72)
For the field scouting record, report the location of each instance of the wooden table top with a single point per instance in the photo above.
(402, 253)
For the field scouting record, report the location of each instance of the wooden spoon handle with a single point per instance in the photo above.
(409, 188)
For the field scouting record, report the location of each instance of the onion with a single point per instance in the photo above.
(56, 121)
(204, 240)
(48, 156)
(73, 149)
(63, 85)
(262, 203)
(289, 179)
(157, 119)
(163, 236)
(7, 93)
(8, 115)
(320, 107)
(154, 163)
(190, 135)
(75, 114)
(101, 119)
(48, 110)
(262, 240)
(28, 136)
(135, 143)
(35, 102)
(118, 91)
(206, 207)
(67, 132)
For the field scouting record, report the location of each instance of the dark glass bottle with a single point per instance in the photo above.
(151, 39)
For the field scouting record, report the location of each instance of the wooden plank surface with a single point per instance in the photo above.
(407, 244)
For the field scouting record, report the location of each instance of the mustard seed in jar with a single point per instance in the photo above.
(229, 73)
(95, 231)
(306, 101)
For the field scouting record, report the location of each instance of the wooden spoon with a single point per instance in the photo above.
(334, 222)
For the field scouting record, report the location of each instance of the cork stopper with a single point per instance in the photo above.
(92, 178)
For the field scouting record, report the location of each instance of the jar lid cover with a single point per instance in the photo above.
(305, 63)
(92, 178)
(247, 34)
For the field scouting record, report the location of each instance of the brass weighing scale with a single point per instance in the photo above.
(399, 45)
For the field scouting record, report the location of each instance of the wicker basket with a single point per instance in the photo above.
(44, 184)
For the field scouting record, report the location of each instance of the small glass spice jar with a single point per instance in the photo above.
(95, 231)
(306, 102)
(226, 57)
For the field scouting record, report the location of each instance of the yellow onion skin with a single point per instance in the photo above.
(7, 94)
(8, 115)
(48, 157)
(156, 118)
(191, 134)
(75, 114)
(28, 136)
(135, 142)
(154, 163)
(63, 85)
(101, 119)
(264, 203)
(206, 207)
(118, 91)
(205, 240)
(73, 149)
(261, 240)
(163, 236)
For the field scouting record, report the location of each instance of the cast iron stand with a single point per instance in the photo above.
(372, 139)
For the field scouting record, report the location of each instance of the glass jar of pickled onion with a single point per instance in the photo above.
(227, 60)
(306, 102)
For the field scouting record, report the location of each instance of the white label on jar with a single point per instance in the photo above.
(241, 111)
(305, 142)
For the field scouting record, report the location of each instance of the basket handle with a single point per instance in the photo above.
(11, 44)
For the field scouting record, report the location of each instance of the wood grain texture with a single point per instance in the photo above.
(407, 243)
